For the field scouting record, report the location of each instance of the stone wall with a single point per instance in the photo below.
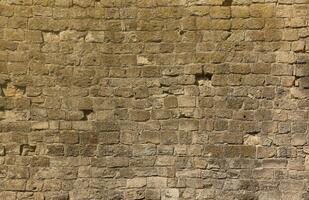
(154, 99)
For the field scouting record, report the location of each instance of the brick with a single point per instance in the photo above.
(14, 34)
(161, 114)
(151, 71)
(290, 35)
(215, 151)
(270, 195)
(165, 161)
(64, 3)
(107, 125)
(301, 71)
(95, 36)
(69, 138)
(170, 194)
(136, 183)
(82, 3)
(156, 182)
(220, 12)
(18, 173)
(261, 10)
(117, 162)
(169, 138)
(109, 137)
(139, 115)
(186, 101)
(40, 161)
(189, 125)
(281, 69)
(149, 137)
(39, 125)
(298, 140)
(170, 102)
(240, 151)
(144, 150)
(55, 150)
(240, 12)
(14, 184)
(265, 152)
(274, 163)
(286, 57)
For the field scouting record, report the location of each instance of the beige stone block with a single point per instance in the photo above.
(186, 101)
(156, 182)
(136, 183)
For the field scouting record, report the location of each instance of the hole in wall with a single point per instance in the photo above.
(301, 82)
(181, 32)
(202, 77)
(10, 90)
(25, 149)
(253, 132)
(87, 114)
(1, 92)
(227, 2)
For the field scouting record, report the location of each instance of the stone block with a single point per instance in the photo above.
(156, 182)
(170, 194)
(107, 125)
(136, 183)
(55, 150)
(240, 151)
(188, 125)
(170, 102)
(274, 163)
(262, 10)
(186, 101)
(220, 12)
(64, 3)
(298, 139)
(139, 115)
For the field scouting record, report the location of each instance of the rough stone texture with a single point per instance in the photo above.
(154, 99)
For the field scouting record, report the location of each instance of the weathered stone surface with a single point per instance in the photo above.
(136, 183)
(156, 182)
(165, 99)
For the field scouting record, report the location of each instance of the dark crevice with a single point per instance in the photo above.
(182, 115)
(253, 132)
(181, 32)
(4, 83)
(167, 91)
(26, 148)
(52, 31)
(1, 92)
(227, 2)
(302, 82)
(204, 76)
(21, 88)
(296, 80)
(87, 114)
(7, 84)
(3, 86)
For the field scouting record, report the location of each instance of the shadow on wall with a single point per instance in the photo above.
(302, 77)
(227, 2)
(301, 84)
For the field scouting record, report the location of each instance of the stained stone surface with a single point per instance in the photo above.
(154, 99)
